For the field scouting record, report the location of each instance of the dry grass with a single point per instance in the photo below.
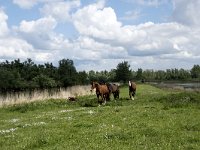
(38, 95)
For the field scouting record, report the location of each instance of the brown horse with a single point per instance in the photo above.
(114, 89)
(101, 90)
(132, 89)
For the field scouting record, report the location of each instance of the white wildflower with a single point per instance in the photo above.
(8, 130)
(14, 120)
(39, 123)
(90, 112)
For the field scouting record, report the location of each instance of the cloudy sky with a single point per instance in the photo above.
(99, 34)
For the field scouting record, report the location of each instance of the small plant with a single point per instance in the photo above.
(87, 102)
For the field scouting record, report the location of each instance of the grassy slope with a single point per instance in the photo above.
(156, 119)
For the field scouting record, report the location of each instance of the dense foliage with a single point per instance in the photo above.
(17, 75)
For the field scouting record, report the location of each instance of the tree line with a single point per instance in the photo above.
(17, 76)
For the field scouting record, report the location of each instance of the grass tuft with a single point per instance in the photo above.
(179, 100)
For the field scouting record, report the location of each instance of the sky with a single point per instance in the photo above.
(100, 34)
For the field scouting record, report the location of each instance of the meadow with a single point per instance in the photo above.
(156, 119)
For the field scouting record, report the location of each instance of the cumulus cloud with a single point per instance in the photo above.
(15, 48)
(164, 40)
(3, 23)
(11, 46)
(41, 25)
(60, 10)
(139, 40)
(40, 33)
(97, 21)
(103, 39)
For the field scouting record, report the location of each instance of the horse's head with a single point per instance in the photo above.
(93, 85)
(129, 83)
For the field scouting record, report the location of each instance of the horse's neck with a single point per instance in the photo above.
(97, 86)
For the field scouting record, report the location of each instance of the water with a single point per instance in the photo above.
(181, 86)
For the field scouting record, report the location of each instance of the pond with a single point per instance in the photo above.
(193, 86)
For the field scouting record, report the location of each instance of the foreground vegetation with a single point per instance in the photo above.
(156, 119)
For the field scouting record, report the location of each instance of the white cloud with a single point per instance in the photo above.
(11, 46)
(60, 10)
(103, 40)
(26, 4)
(91, 49)
(148, 39)
(14, 48)
(40, 33)
(41, 25)
(3, 23)
(96, 21)
(147, 2)
(187, 12)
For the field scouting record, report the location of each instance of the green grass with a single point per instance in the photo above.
(156, 119)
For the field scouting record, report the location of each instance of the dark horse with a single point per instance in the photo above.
(101, 90)
(114, 89)
(132, 89)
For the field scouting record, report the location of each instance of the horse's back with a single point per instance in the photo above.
(104, 89)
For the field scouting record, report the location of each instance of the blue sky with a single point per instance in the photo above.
(99, 34)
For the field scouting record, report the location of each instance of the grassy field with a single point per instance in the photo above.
(156, 119)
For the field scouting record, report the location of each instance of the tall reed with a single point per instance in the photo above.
(12, 98)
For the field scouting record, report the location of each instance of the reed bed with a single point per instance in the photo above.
(12, 98)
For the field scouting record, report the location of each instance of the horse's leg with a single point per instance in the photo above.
(130, 93)
(105, 98)
(117, 94)
(102, 98)
(133, 95)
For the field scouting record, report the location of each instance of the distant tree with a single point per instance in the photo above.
(92, 76)
(184, 74)
(148, 74)
(82, 78)
(139, 74)
(195, 71)
(43, 81)
(67, 73)
(112, 75)
(160, 75)
(123, 72)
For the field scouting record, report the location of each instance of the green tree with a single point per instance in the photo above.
(183, 74)
(195, 71)
(82, 78)
(123, 72)
(44, 81)
(139, 75)
(67, 73)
